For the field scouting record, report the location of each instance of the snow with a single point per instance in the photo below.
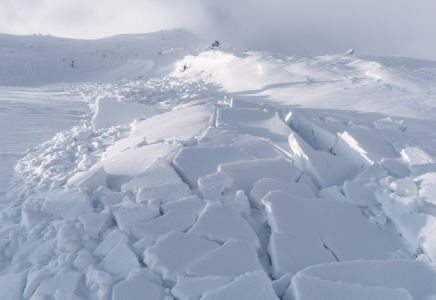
(190, 183)
(220, 223)
(111, 112)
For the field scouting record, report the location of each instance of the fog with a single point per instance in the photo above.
(301, 27)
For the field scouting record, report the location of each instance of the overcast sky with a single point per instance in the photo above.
(302, 27)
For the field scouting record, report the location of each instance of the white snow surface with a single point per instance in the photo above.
(181, 171)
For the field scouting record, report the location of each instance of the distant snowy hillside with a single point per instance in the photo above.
(38, 60)
(214, 173)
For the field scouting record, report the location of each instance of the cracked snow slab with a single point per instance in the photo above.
(324, 168)
(246, 173)
(258, 122)
(316, 217)
(415, 276)
(193, 163)
(220, 222)
(182, 124)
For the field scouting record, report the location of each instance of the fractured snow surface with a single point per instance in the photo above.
(235, 178)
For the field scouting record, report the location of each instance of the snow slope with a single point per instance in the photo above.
(242, 176)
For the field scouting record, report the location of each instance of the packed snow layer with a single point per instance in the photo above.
(196, 186)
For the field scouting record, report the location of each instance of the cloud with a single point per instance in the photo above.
(302, 27)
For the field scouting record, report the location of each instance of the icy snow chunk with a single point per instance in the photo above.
(68, 238)
(110, 241)
(67, 280)
(280, 285)
(417, 277)
(359, 195)
(135, 161)
(83, 260)
(192, 288)
(416, 227)
(193, 163)
(373, 172)
(290, 254)
(213, 186)
(67, 204)
(190, 205)
(389, 124)
(93, 223)
(304, 287)
(175, 252)
(120, 261)
(427, 191)
(124, 144)
(177, 124)
(133, 214)
(238, 103)
(159, 172)
(111, 112)
(220, 223)
(332, 193)
(163, 193)
(404, 187)
(137, 287)
(257, 122)
(246, 173)
(160, 226)
(253, 286)
(417, 156)
(232, 259)
(346, 249)
(92, 179)
(325, 169)
(258, 147)
(112, 199)
(395, 208)
(13, 286)
(396, 167)
(266, 185)
(316, 217)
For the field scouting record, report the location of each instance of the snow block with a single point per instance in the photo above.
(92, 179)
(359, 195)
(137, 287)
(158, 227)
(175, 252)
(257, 122)
(427, 188)
(319, 218)
(120, 261)
(332, 193)
(193, 163)
(246, 173)
(304, 287)
(260, 148)
(374, 172)
(281, 285)
(417, 156)
(347, 249)
(111, 112)
(417, 277)
(68, 280)
(220, 223)
(190, 206)
(396, 167)
(325, 169)
(67, 204)
(135, 161)
(123, 145)
(110, 241)
(128, 216)
(192, 288)
(94, 223)
(232, 259)
(416, 228)
(253, 286)
(13, 286)
(404, 187)
(213, 186)
(163, 193)
(159, 172)
(177, 124)
(290, 254)
(112, 199)
(398, 206)
(266, 185)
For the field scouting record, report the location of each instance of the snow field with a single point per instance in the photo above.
(188, 194)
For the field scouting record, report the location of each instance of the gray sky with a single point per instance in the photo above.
(311, 27)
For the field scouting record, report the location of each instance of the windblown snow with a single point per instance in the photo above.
(203, 173)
